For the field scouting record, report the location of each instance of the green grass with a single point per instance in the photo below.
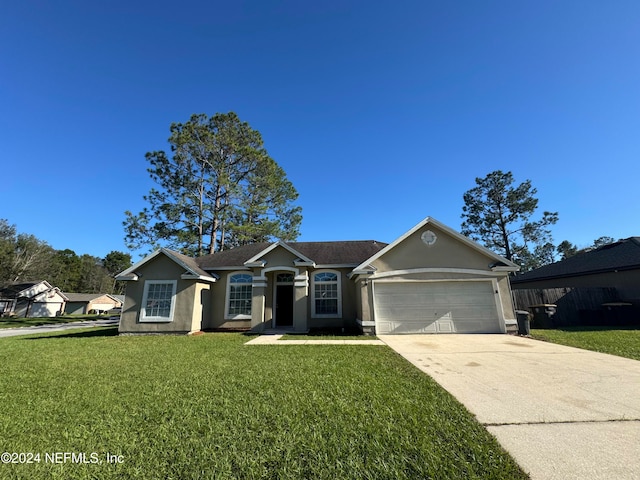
(33, 322)
(329, 334)
(208, 406)
(616, 341)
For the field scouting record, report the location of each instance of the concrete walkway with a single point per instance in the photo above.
(276, 340)
(58, 327)
(561, 412)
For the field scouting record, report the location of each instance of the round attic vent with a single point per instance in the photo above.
(428, 237)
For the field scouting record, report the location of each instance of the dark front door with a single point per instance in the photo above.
(284, 305)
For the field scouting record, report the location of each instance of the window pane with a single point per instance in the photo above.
(326, 298)
(240, 292)
(158, 302)
(241, 278)
(284, 278)
(326, 277)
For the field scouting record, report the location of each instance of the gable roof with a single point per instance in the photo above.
(15, 289)
(188, 263)
(621, 255)
(271, 247)
(21, 290)
(321, 253)
(86, 297)
(502, 263)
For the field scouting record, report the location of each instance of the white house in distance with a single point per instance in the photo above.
(31, 299)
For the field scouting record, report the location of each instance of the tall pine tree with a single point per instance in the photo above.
(217, 188)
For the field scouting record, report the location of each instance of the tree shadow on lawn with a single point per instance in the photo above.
(97, 332)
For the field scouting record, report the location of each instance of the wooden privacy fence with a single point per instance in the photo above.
(577, 306)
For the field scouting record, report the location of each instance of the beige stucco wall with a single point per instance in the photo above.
(447, 252)
(214, 318)
(280, 260)
(447, 259)
(201, 306)
(160, 268)
(507, 299)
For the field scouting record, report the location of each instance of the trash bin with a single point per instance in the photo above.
(523, 322)
(543, 315)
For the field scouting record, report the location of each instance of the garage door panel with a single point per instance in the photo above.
(436, 307)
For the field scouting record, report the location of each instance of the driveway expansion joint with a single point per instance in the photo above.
(561, 422)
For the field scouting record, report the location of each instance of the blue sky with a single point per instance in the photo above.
(381, 113)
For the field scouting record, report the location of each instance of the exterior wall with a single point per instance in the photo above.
(447, 259)
(35, 290)
(447, 252)
(46, 305)
(279, 256)
(45, 309)
(103, 302)
(349, 302)
(280, 260)
(508, 308)
(160, 268)
(217, 301)
(201, 306)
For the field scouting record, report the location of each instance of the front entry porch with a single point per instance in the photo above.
(280, 300)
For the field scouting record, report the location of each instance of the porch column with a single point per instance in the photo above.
(300, 301)
(259, 291)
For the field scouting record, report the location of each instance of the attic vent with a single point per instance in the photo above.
(428, 237)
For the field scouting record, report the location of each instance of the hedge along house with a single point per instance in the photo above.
(430, 280)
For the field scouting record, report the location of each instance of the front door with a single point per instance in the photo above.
(284, 306)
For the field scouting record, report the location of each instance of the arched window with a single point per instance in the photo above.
(326, 295)
(239, 293)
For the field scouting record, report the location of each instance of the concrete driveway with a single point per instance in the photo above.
(561, 412)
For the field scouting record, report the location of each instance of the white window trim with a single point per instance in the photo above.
(313, 294)
(227, 316)
(143, 310)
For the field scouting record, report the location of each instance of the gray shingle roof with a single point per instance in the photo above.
(189, 262)
(322, 253)
(621, 255)
(82, 297)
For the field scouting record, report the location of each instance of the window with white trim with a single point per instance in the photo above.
(239, 295)
(326, 295)
(158, 301)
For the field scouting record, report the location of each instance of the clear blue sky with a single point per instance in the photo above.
(380, 112)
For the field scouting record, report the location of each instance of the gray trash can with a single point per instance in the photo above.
(523, 322)
(543, 315)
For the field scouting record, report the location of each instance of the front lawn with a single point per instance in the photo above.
(329, 334)
(35, 322)
(208, 406)
(616, 341)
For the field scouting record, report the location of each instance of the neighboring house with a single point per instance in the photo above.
(430, 280)
(612, 268)
(31, 299)
(81, 303)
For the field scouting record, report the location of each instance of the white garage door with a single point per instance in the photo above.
(436, 307)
